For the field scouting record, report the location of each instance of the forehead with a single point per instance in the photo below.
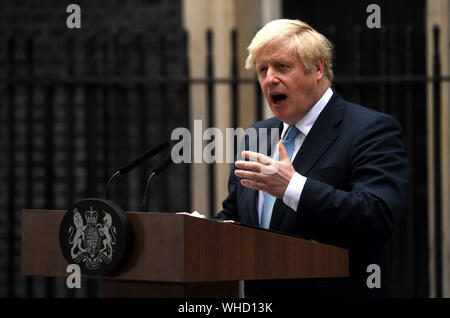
(274, 51)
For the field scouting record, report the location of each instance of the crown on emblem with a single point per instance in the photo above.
(91, 216)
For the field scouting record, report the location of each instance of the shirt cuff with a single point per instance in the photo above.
(294, 190)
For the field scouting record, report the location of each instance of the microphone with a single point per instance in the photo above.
(155, 172)
(134, 163)
(149, 153)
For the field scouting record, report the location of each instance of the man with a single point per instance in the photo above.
(341, 169)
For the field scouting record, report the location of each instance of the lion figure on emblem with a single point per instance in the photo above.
(79, 234)
(109, 236)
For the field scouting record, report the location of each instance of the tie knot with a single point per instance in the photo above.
(292, 132)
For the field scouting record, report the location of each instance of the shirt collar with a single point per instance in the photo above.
(305, 124)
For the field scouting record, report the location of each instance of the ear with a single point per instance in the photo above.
(320, 69)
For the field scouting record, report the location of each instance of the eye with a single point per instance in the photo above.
(262, 69)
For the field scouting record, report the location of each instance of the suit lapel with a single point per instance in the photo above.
(323, 133)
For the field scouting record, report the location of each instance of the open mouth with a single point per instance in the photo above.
(278, 98)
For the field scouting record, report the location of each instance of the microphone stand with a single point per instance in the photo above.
(109, 183)
(144, 202)
(136, 162)
(155, 172)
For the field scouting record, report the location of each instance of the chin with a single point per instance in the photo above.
(284, 116)
(285, 120)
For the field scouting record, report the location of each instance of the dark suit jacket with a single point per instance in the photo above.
(357, 175)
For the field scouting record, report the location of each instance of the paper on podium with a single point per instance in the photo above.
(201, 216)
(194, 214)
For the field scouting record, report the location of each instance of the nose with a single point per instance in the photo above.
(272, 76)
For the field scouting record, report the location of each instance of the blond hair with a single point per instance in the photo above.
(305, 42)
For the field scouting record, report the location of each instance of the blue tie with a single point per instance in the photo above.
(269, 201)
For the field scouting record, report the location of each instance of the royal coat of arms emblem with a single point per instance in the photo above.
(93, 233)
(94, 242)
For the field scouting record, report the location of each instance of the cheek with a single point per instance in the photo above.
(263, 89)
(304, 88)
(262, 85)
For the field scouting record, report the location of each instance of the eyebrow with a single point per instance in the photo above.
(275, 61)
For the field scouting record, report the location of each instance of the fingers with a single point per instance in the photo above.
(258, 163)
(265, 173)
(251, 179)
(253, 184)
(248, 165)
(262, 164)
(255, 156)
(282, 151)
(248, 174)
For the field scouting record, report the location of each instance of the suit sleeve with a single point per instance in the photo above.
(378, 188)
(230, 208)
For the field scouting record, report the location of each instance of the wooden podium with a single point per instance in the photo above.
(177, 255)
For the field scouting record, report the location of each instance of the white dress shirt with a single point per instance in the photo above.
(294, 190)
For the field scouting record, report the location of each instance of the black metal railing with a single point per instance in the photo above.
(71, 113)
(72, 116)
